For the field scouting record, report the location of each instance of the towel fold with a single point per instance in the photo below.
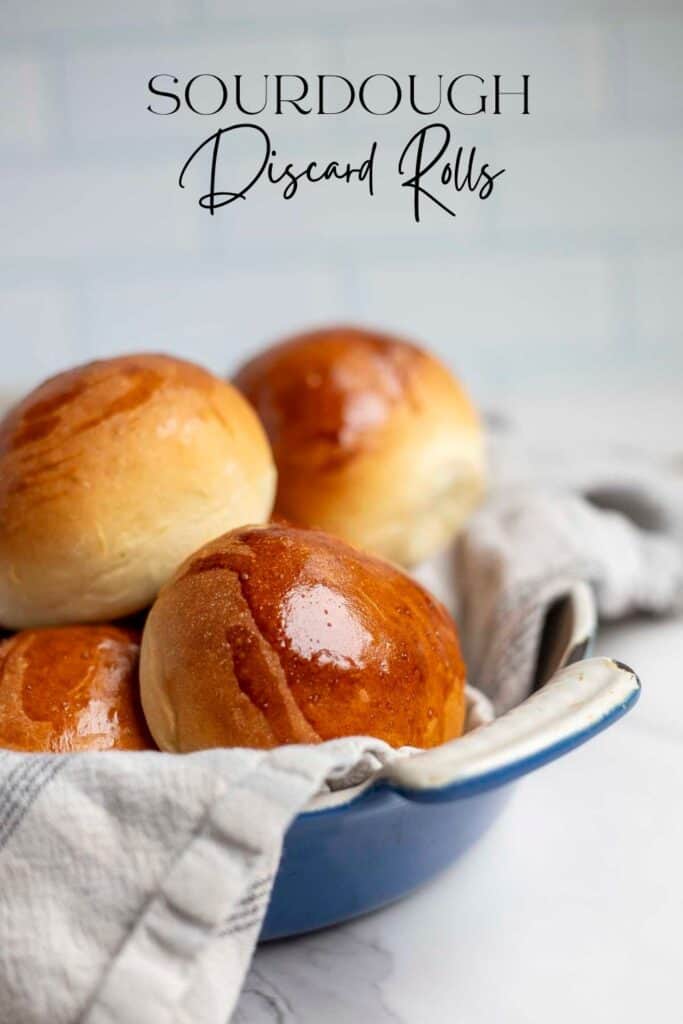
(522, 553)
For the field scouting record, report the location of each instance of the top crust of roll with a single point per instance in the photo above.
(272, 635)
(374, 439)
(110, 474)
(71, 689)
(323, 396)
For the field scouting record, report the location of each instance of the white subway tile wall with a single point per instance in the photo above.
(569, 275)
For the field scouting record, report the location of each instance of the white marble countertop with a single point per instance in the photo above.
(570, 908)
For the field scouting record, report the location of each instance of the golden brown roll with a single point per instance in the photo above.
(374, 440)
(110, 475)
(72, 688)
(273, 635)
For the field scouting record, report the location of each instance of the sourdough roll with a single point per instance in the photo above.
(110, 475)
(374, 439)
(272, 635)
(72, 688)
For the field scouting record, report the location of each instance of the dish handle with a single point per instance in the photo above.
(580, 700)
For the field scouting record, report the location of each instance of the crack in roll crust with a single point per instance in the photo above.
(273, 635)
(110, 474)
(373, 438)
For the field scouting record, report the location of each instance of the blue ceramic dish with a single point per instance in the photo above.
(356, 851)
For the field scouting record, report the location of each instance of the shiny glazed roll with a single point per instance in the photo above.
(272, 635)
(110, 475)
(71, 688)
(374, 440)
